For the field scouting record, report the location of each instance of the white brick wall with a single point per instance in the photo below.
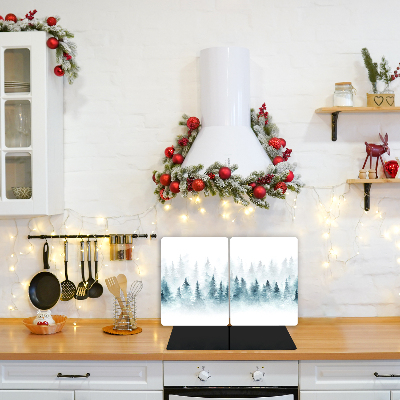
(139, 74)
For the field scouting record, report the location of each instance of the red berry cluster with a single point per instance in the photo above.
(67, 56)
(189, 182)
(265, 179)
(286, 154)
(211, 176)
(263, 113)
(30, 15)
(183, 142)
(396, 73)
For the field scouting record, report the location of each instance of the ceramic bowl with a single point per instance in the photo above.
(22, 192)
(46, 329)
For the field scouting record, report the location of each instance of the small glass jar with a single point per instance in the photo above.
(113, 247)
(120, 247)
(128, 247)
(343, 96)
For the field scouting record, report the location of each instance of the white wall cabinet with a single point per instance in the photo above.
(31, 127)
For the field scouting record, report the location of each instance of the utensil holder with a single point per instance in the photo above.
(125, 314)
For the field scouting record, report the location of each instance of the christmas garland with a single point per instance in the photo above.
(65, 48)
(218, 178)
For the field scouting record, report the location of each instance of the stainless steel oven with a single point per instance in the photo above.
(238, 380)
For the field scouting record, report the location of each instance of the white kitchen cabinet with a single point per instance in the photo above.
(36, 395)
(31, 127)
(117, 395)
(345, 395)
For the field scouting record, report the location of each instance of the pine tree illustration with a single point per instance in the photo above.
(244, 295)
(162, 296)
(166, 292)
(212, 291)
(255, 291)
(236, 290)
(186, 291)
(221, 295)
(198, 298)
(286, 291)
(296, 296)
(226, 294)
(277, 292)
(178, 294)
(181, 268)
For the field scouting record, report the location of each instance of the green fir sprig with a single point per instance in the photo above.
(372, 68)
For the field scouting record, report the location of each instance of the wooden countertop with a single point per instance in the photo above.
(315, 338)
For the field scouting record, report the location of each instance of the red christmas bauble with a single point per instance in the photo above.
(174, 187)
(162, 196)
(277, 160)
(253, 184)
(59, 71)
(52, 43)
(193, 123)
(198, 185)
(225, 173)
(259, 192)
(283, 142)
(391, 168)
(169, 151)
(1, 18)
(177, 158)
(51, 21)
(11, 17)
(165, 179)
(290, 177)
(275, 143)
(282, 186)
(154, 179)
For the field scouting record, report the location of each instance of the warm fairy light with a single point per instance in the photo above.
(334, 198)
(366, 212)
(53, 233)
(251, 209)
(198, 200)
(358, 252)
(12, 255)
(202, 210)
(396, 229)
(325, 235)
(30, 247)
(190, 199)
(233, 220)
(328, 221)
(333, 252)
(224, 203)
(247, 212)
(294, 206)
(100, 219)
(398, 260)
(79, 306)
(386, 235)
(326, 264)
(11, 268)
(167, 207)
(224, 215)
(11, 237)
(153, 223)
(34, 229)
(74, 323)
(184, 217)
(10, 308)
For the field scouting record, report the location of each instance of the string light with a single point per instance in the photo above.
(167, 207)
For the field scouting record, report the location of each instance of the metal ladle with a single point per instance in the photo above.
(96, 289)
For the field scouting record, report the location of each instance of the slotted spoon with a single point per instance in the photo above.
(68, 289)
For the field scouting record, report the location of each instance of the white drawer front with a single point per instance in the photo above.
(103, 375)
(345, 395)
(35, 395)
(117, 395)
(238, 373)
(348, 375)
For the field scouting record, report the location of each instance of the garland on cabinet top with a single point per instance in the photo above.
(218, 178)
(65, 48)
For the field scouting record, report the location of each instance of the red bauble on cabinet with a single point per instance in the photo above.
(11, 17)
(58, 70)
(277, 160)
(225, 173)
(174, 187)
(198, 185)
(165, 179)
(51, 21)
(275, 142)
(283, 142)
(177, 158)
(193, 123)
(290, 177)
(282, 186)
(52, 43)
(169, 151)
(259, 192)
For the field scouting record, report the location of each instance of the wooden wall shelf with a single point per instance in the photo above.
(336, 110)
(367, 187)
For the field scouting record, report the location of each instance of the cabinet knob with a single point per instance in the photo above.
(257, 375)
(204, 375)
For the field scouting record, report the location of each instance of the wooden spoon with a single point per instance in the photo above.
(123, 284)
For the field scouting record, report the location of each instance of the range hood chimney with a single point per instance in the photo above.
(226, 135)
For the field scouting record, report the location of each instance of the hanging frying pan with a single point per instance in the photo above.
(44, 289)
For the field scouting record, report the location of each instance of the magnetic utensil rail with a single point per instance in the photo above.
(134, 236)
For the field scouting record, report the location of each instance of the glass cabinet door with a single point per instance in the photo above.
(16, 125)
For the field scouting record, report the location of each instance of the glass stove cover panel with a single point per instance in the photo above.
(18, 176)
(264, 281)
(278, 397)
(17, 123)
(17, 70)
(194, 281)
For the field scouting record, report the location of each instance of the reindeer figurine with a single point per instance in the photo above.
(376, 150)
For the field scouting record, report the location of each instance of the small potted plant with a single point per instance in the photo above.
(386, 97)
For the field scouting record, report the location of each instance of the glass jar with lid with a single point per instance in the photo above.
(343, 96)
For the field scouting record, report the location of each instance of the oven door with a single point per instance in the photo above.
(235, 393)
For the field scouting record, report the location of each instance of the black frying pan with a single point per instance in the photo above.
(44, 289)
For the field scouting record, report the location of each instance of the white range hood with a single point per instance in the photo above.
(226, 134)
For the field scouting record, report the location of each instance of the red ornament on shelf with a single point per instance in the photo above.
(174, 187)
(162, 196)
(165, 179)
(282, 186)
(253, 184)
(193, 123)
(259, 192)
(51, 21)
(290, 177)
(11, 17)
(177, 158)
(391, 168)
(59, 71)
(277, 160)
(283, 142)
(52, 43)
(169, 151)
(276, 143)
(225, 173)
(198, 185)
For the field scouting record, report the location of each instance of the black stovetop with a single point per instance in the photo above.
(230, 338)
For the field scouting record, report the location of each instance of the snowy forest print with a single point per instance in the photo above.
(264, 281)
(194, 281)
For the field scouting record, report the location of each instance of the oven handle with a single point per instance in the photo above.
(386, 376)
